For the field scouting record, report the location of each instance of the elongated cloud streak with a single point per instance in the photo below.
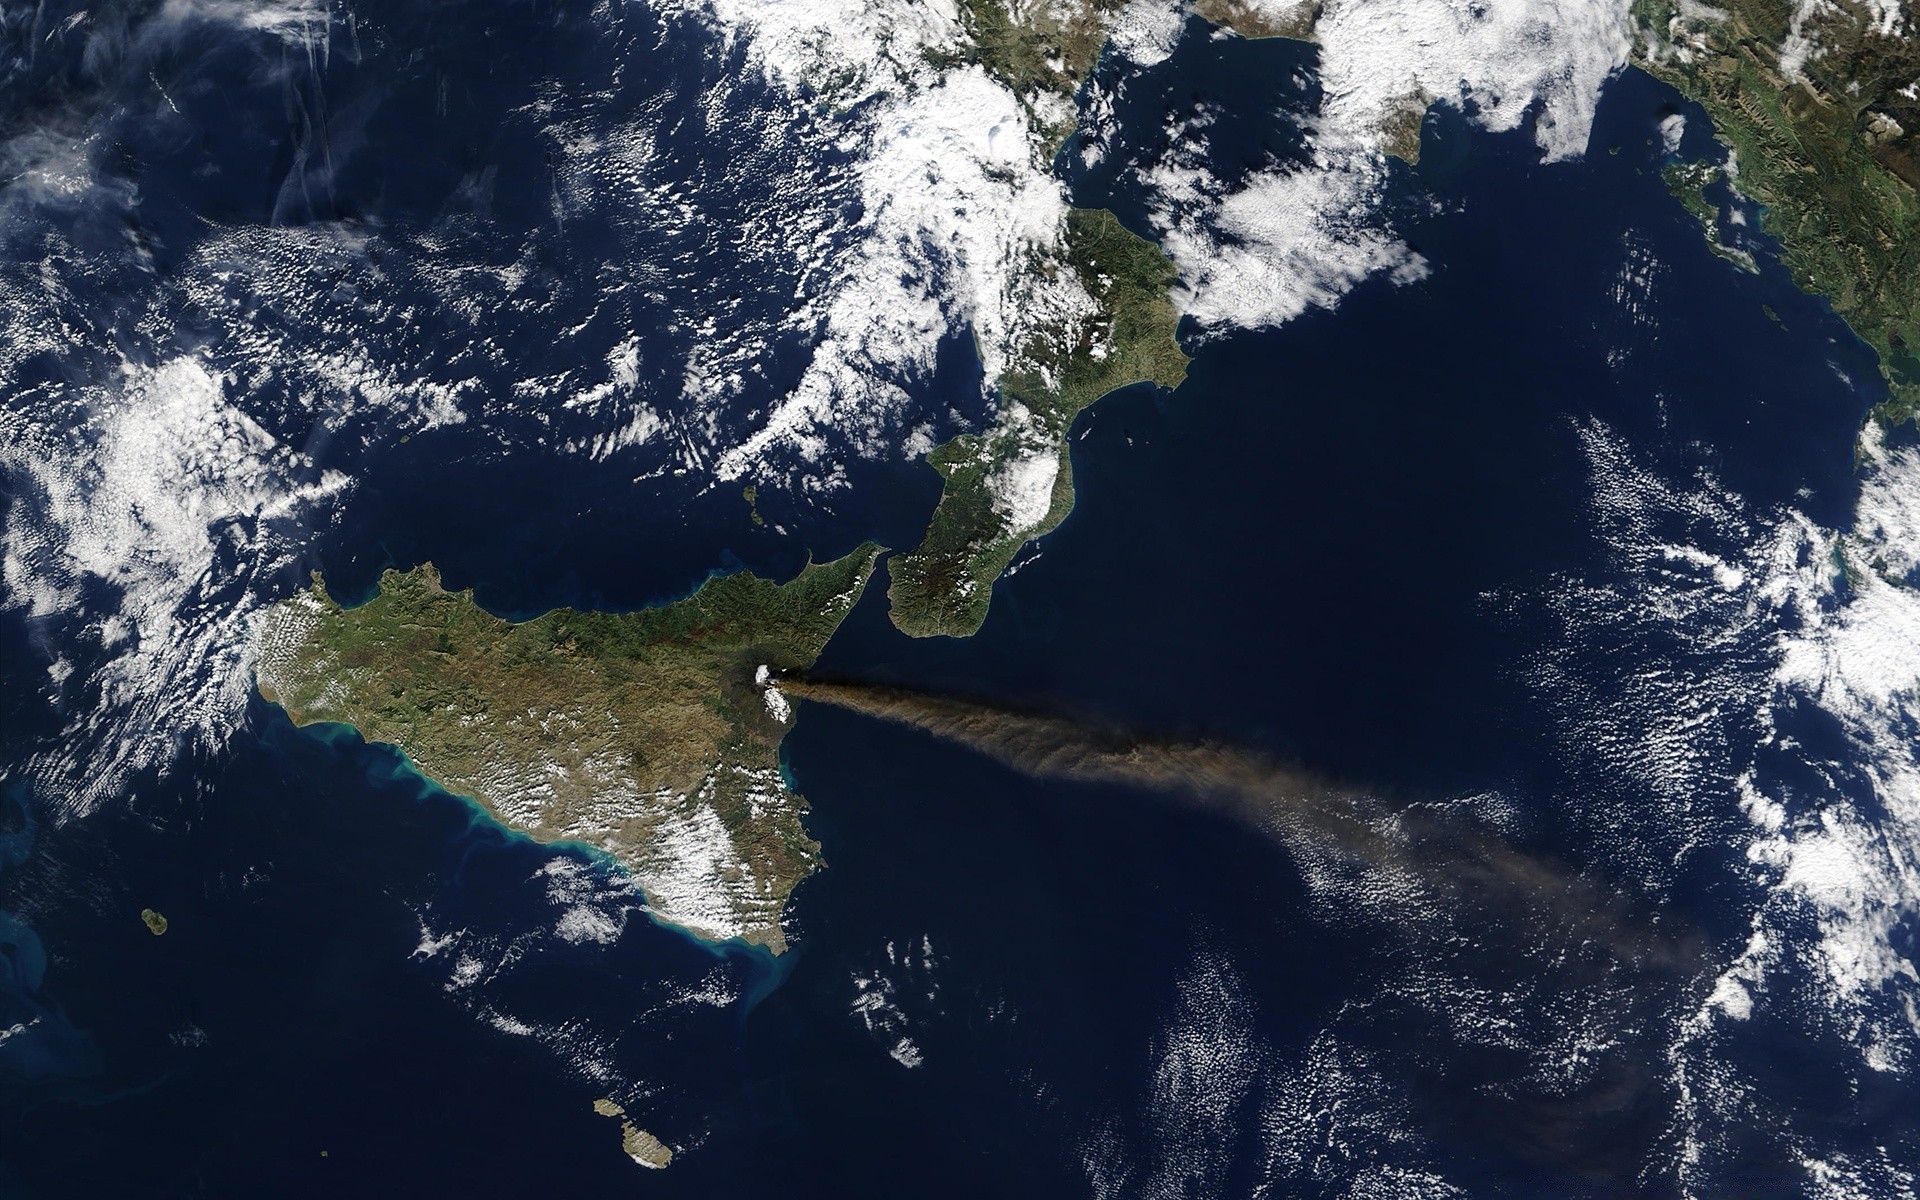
(1307, 815)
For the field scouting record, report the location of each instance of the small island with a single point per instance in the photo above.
(155, 923)
(641, 1146)
(642, 734)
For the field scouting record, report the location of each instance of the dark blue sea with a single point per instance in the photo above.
(1322, 546)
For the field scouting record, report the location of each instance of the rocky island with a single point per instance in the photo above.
(642, 734)
(642, 1147)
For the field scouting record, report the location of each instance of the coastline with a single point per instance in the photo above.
(395, 766)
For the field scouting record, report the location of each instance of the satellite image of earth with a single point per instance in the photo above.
(960, 598)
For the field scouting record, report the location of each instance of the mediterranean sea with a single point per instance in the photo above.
(1326, 546)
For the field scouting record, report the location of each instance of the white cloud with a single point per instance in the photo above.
(1689, 689)
(1300, 235)
(157, 497)
(959, 212)
(1289, 240)
(1505, 57)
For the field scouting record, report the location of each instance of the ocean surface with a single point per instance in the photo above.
(1326, 546)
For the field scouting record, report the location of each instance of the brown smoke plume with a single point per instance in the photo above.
(1309, 816)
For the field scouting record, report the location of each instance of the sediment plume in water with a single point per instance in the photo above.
(1306, 814)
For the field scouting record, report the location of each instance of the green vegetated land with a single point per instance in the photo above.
(1833, 156)
(1042, 52)
(945, 584)
(643, 734)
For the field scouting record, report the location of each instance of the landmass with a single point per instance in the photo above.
(641, 1146)
(1263, 18)
(1819, 107)
(1013, 483)
(156, 924)
(642, 734)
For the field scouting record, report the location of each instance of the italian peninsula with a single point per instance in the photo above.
(1013, 482)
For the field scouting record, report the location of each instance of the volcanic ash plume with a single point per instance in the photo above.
(1307, 815)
